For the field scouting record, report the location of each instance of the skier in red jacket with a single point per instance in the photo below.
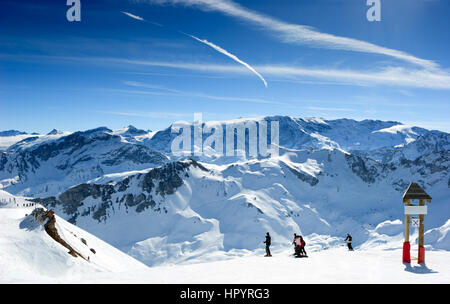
(302, 247)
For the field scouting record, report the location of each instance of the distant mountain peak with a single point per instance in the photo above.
(54, 132)
(11, 133)
(96, 130)
(135, 131)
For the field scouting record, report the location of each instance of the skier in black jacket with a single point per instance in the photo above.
(268, 242)
(349, 242)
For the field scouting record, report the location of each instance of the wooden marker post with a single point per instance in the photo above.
(414, 191)
(421, 256)
(406, 244)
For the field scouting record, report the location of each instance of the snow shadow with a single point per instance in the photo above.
(393, 249)
(29, 223)
(420, 269)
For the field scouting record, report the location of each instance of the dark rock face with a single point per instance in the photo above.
(168, 177)
(159, 181)
(72, 198)
(311, 180)
(129, 200)
(40, 215)
(3, 161)
(436, 162)
(134, 153)
(362, 168)
(145, 205)
(49, 202)
(369, 170)
(49, 221)
(101, 212)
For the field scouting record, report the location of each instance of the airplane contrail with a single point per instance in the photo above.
(140, 18)
(226, 53)
(216, 47)
(134, 16)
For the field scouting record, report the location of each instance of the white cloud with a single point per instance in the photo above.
(331, 109)
(148, 114)
(298, 34)
(390, 76)
(430, 125)
(172, 92)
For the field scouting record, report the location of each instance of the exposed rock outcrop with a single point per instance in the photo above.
(47, 218)
(159, 181)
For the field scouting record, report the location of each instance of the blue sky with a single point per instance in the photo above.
(319, 58)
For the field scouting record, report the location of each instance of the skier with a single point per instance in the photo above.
(268, 242)
(302, 247)
(297, 245)
(349, 242)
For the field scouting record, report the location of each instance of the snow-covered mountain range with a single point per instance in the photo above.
(332, 177)
(51, 163)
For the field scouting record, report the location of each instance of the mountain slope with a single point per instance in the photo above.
(332, 177)
(29, 254)
(187, 209)
(50, 164)
(316, 133)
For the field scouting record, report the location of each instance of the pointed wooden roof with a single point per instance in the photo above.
(414, 191)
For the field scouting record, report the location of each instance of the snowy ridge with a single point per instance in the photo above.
(440, 237)
(52, 163)
(29, 254)
(317, 133)
(45, 165)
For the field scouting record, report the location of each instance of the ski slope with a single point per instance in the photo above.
(335, 265)
(29, 255)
